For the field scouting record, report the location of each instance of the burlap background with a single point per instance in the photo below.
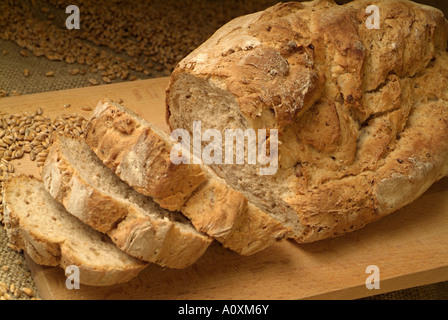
(13, 268)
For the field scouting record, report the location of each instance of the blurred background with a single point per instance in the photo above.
(118, 41)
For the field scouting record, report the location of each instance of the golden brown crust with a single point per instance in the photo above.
(360, 112)
(140, 157)
(254, 231)
(159, 241)
(66, 186)
(214, 209)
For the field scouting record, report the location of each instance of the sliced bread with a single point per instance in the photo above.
(139, 153)
(89, 190)
(39, 225)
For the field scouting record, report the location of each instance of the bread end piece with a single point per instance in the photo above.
(41, 227)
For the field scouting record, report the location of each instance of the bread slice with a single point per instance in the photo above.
(139, 153)
(135, 152)
(39, 225)
(89, 190)
(360, 112)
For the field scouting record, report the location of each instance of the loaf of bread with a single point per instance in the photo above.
(139, 153)
(40, 226)
(89, 190)
(361, 112)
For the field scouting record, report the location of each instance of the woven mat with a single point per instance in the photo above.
(13, 268)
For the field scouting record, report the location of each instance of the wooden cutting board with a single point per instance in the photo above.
(410, 247)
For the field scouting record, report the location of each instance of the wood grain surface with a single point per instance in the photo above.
(410, 247)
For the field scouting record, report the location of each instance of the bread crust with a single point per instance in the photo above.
(128, 148)
(227, 216)
(147, 238)
(361, 112)
(48, 250)
(213, 207)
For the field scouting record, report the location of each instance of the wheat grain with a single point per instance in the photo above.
(28, 291)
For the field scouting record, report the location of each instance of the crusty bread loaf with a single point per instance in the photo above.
(362, 113)
(139, 153)
(39, 225)
(89, 190)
